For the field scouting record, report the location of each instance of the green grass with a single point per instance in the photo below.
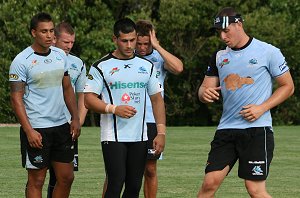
(180, 173)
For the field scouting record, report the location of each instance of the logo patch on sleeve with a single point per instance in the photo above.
(13, 76)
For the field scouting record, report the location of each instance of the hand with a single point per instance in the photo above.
(211, 94)
(159, 144)
(252, 112)
(35, 139)
(75, 129)
(125, 111)
(153, 39)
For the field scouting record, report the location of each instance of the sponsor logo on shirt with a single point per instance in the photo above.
(127, 66)
(142, 70)
(13, 76)
(283, 66)
(136, 97)
(125, 98)
(114, 70)
(157, 74)
(119, 85)
(224, 62)
(208, 68)
(47, 61)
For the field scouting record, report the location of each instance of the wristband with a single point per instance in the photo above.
(107, 108)
(161, 133)
(113, 110)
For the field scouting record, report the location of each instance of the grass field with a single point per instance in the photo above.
(180, 173)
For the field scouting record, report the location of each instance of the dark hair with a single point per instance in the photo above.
(40, 17)
(124, 25)
(63, 27)
(143, 27)
(227, 11)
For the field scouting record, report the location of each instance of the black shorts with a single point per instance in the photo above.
(57, 146)
(253, 147)
(151, 133)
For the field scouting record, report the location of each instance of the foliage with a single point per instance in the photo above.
(183, 28)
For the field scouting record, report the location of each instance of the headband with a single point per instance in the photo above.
(222, 22)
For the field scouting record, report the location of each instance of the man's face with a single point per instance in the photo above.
(65, 41)
(231, 35)
(43, 34)
(143, 45)
(125, 45)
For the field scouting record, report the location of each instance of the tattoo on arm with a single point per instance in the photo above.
(17, 86)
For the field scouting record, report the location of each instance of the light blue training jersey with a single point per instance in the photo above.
(43, 75)
(123, 82)
(160, 74)
(77, 73)
(245, 77)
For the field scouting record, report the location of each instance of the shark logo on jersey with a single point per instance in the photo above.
(73, 66)
(283, 66)
(47, 61)
(253, 61)
(114, 70)
(154, 59)
(125, 98)
(257, 170)
(142, 70)
(224, 62)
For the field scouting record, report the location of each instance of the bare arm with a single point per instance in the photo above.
(16, 98)
(209, 90)
(172, 63)
(159, 113)
(81, 108)
(70, 101)
(285, 89)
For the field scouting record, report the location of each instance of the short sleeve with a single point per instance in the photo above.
(153, 85)
(81, 81)
(94, 81)
(212, 69)
(17, 71)
(277, 64)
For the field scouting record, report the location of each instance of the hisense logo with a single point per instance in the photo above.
(119, 85)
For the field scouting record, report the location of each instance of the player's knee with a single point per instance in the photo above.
(150, 172)
(256, 192)
(36, 183)
(210, 185)
(66, 180)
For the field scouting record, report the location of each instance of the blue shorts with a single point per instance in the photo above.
(253, 147)
(57, 146)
